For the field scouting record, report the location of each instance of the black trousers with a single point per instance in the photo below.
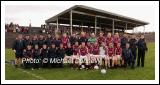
(134, 53)
(141, 57)
(36, 64)
(127, 61)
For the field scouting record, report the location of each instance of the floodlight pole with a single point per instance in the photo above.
(143, 29)
(71, 22)
(47, 25)
(126, 26)
(82, 26)
(112, 26)
(57, 25)
(95, 26)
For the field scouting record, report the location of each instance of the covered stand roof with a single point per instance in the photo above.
(84, 15)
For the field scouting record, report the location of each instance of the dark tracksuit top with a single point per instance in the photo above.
(57, 42)
(60, 53)
(133, 47)
(123, 45)
(41, 42)
(83, 39)
(72, 40)
(123, 42)
(44, 53)
(27, 42)
(142, 47)
(36, 53)
(18, 45)
(34, 42)
(49, 42)
(69, 51)
(128, 56)
(44, 57)
(52, 53)
(27, 54)
(37, 56)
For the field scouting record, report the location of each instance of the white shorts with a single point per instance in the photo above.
(103, 56)
(95, 56)
(83, 58)
(67, 59)
(118, 56)
(68, 56)
(75, 57)
(110, 57)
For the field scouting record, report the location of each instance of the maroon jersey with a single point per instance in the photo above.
(95, 50)
(109, 40)
(65, 41)
(118, 51)
(89, 48)
(75, 49)
(83, 51)
(110, 51)
(116, 41)
(100, 40)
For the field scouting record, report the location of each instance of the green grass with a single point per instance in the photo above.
(146, 73)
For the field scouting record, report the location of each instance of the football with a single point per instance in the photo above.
(103, 71)
(82, 66)
(96, 67)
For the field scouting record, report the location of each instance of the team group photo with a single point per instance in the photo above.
(79, 42)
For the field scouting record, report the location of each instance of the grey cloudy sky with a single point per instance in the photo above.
(22, 14)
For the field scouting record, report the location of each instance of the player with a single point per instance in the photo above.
(116, 39)
(75, 57)
(73, 39)
(28, 55)
(127, 56)
(68, 54)
(36, 57)
(83, 51)
(92, 39)
(142, 48)
(118, 56)
(83, 38)
(57, 41)
(18, 47)
(89, 55)
(65, 40)
(109, 39)
(95, 53)
(41, 41)
(27, 41)
(60, 55)
(110, 54)
(101, 38)
(103, 58)
(52, 55)
(44, 56)
(35, 40)
(49, 40)
(133, 46)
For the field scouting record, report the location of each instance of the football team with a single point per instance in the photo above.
(79, 51)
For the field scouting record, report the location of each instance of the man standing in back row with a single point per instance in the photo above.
(133, 47)
(142, 47)
(18, 47)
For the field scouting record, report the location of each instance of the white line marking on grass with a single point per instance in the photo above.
(29, 73)
(39, 77)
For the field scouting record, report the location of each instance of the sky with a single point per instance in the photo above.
(23, 14)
